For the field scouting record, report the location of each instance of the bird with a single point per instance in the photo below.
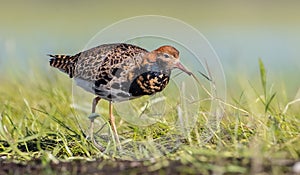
(119, 72)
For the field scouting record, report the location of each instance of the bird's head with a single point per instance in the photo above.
(169, 56)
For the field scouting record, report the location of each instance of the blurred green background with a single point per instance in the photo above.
(240, 32)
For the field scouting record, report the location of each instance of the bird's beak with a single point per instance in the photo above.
(181, 67)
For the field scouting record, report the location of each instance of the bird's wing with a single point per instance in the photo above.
(105, 61)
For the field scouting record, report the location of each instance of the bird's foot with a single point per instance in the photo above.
(98, 145)
(92, 117)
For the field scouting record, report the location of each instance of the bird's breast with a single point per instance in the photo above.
(149, 83)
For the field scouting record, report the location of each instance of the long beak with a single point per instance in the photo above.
(181, 67)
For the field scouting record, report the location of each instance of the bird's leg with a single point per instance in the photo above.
(92, 118)
(113, 125)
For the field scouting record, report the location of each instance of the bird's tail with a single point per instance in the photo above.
(65, 63)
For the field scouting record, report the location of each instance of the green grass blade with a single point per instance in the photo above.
(269, 102)
(263, 77)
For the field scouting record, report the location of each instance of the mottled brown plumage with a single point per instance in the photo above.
(119, 72)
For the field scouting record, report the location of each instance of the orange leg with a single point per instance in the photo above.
(113, 125)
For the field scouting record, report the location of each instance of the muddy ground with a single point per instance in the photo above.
(112, 167)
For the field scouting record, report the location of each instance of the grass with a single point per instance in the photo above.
(38, 128)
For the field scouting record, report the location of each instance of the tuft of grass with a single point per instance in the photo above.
(263, 77)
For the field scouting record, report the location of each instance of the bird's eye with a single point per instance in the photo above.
(166, 56)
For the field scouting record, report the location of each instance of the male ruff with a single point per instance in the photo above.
(119, 72)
